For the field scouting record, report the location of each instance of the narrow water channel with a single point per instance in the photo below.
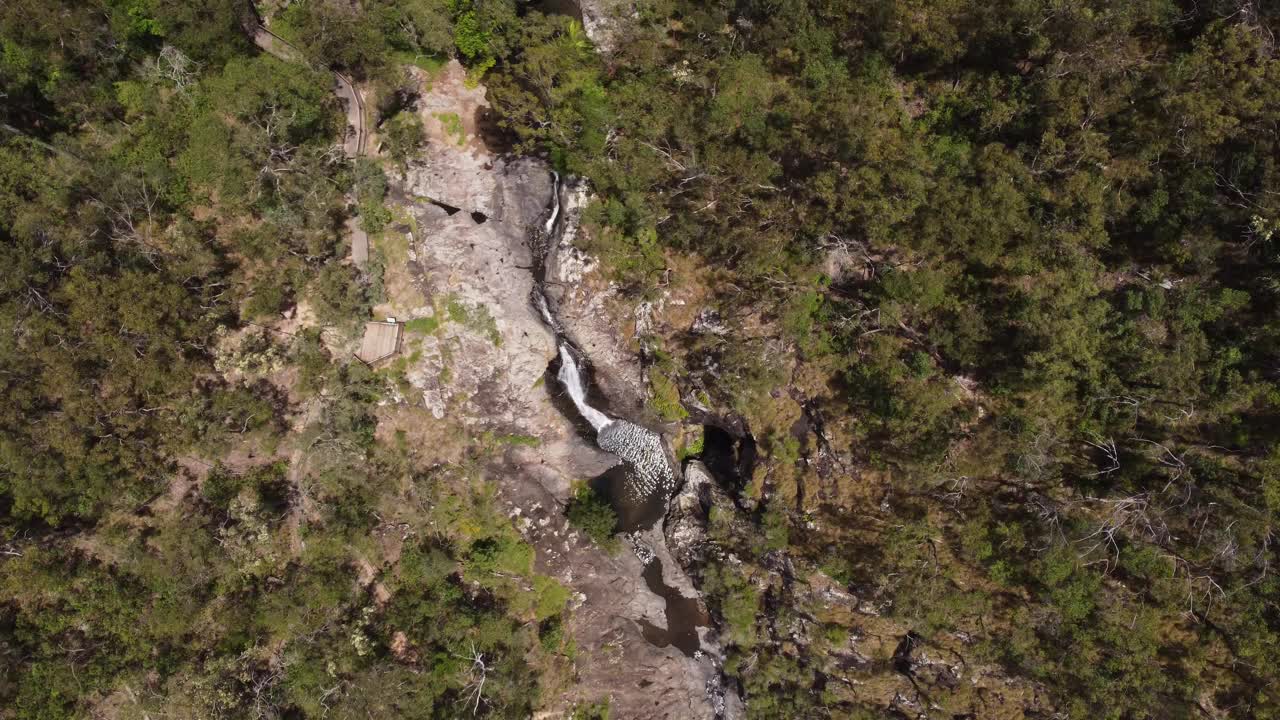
(684, 615)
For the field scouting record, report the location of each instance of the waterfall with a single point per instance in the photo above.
(555, 208)
(550, 319)
(571, 378)
(639, 447)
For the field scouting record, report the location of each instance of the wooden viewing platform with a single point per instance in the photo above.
(381, 340)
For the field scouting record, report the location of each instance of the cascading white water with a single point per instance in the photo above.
(571, 378)
(642, 448)
(545, 310)
(555, 208)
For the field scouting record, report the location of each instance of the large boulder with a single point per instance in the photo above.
(689, 513)
(605, 21)
(686, 527)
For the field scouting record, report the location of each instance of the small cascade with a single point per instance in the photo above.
(571, 378)
(541, 301)
(555, 207)
(643, 449)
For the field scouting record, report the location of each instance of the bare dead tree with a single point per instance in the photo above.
(262, 685)
(1245, 13)
(1109, 451)
(669, 155)
(132, 217)
(1133, 512)
(1178, 468)
(477, 673)
(957, 492)
(1127, 400)
(1049, 512)
(174, 67)
(851, 248)
(1200, 587)
(1034, 462)
(1262, 558)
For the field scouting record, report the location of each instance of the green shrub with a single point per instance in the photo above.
(403, 135)
(592, 514)
(737, 600)
(598, 710)
(423, 325)
(695, 446)
(776, 530)
(474, 317)
(666, 396)
(452, 126)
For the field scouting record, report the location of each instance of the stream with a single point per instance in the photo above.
(639, 487)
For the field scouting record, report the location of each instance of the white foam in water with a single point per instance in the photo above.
(642, 448)
(571, 378)
(555, 208)
(546, 311)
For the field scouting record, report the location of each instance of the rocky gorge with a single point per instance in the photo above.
(529, 339)
(588, 359)
(505, 357)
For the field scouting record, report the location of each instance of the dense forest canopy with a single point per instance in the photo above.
(1022, 256)
(1019, 261)
(164, 183)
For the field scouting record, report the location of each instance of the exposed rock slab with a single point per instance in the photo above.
(605, 20)
(491, 346)
(455, 167)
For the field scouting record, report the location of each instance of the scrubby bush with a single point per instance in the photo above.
(591, 513)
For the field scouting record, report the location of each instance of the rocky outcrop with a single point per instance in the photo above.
(481, 360)
(605, 20)
(686, 527)
(709, 322)
(690, 509)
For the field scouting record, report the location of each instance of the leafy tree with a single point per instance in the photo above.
(592, 514)
(404, 135)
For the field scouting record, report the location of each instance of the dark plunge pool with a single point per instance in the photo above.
(684, 615)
